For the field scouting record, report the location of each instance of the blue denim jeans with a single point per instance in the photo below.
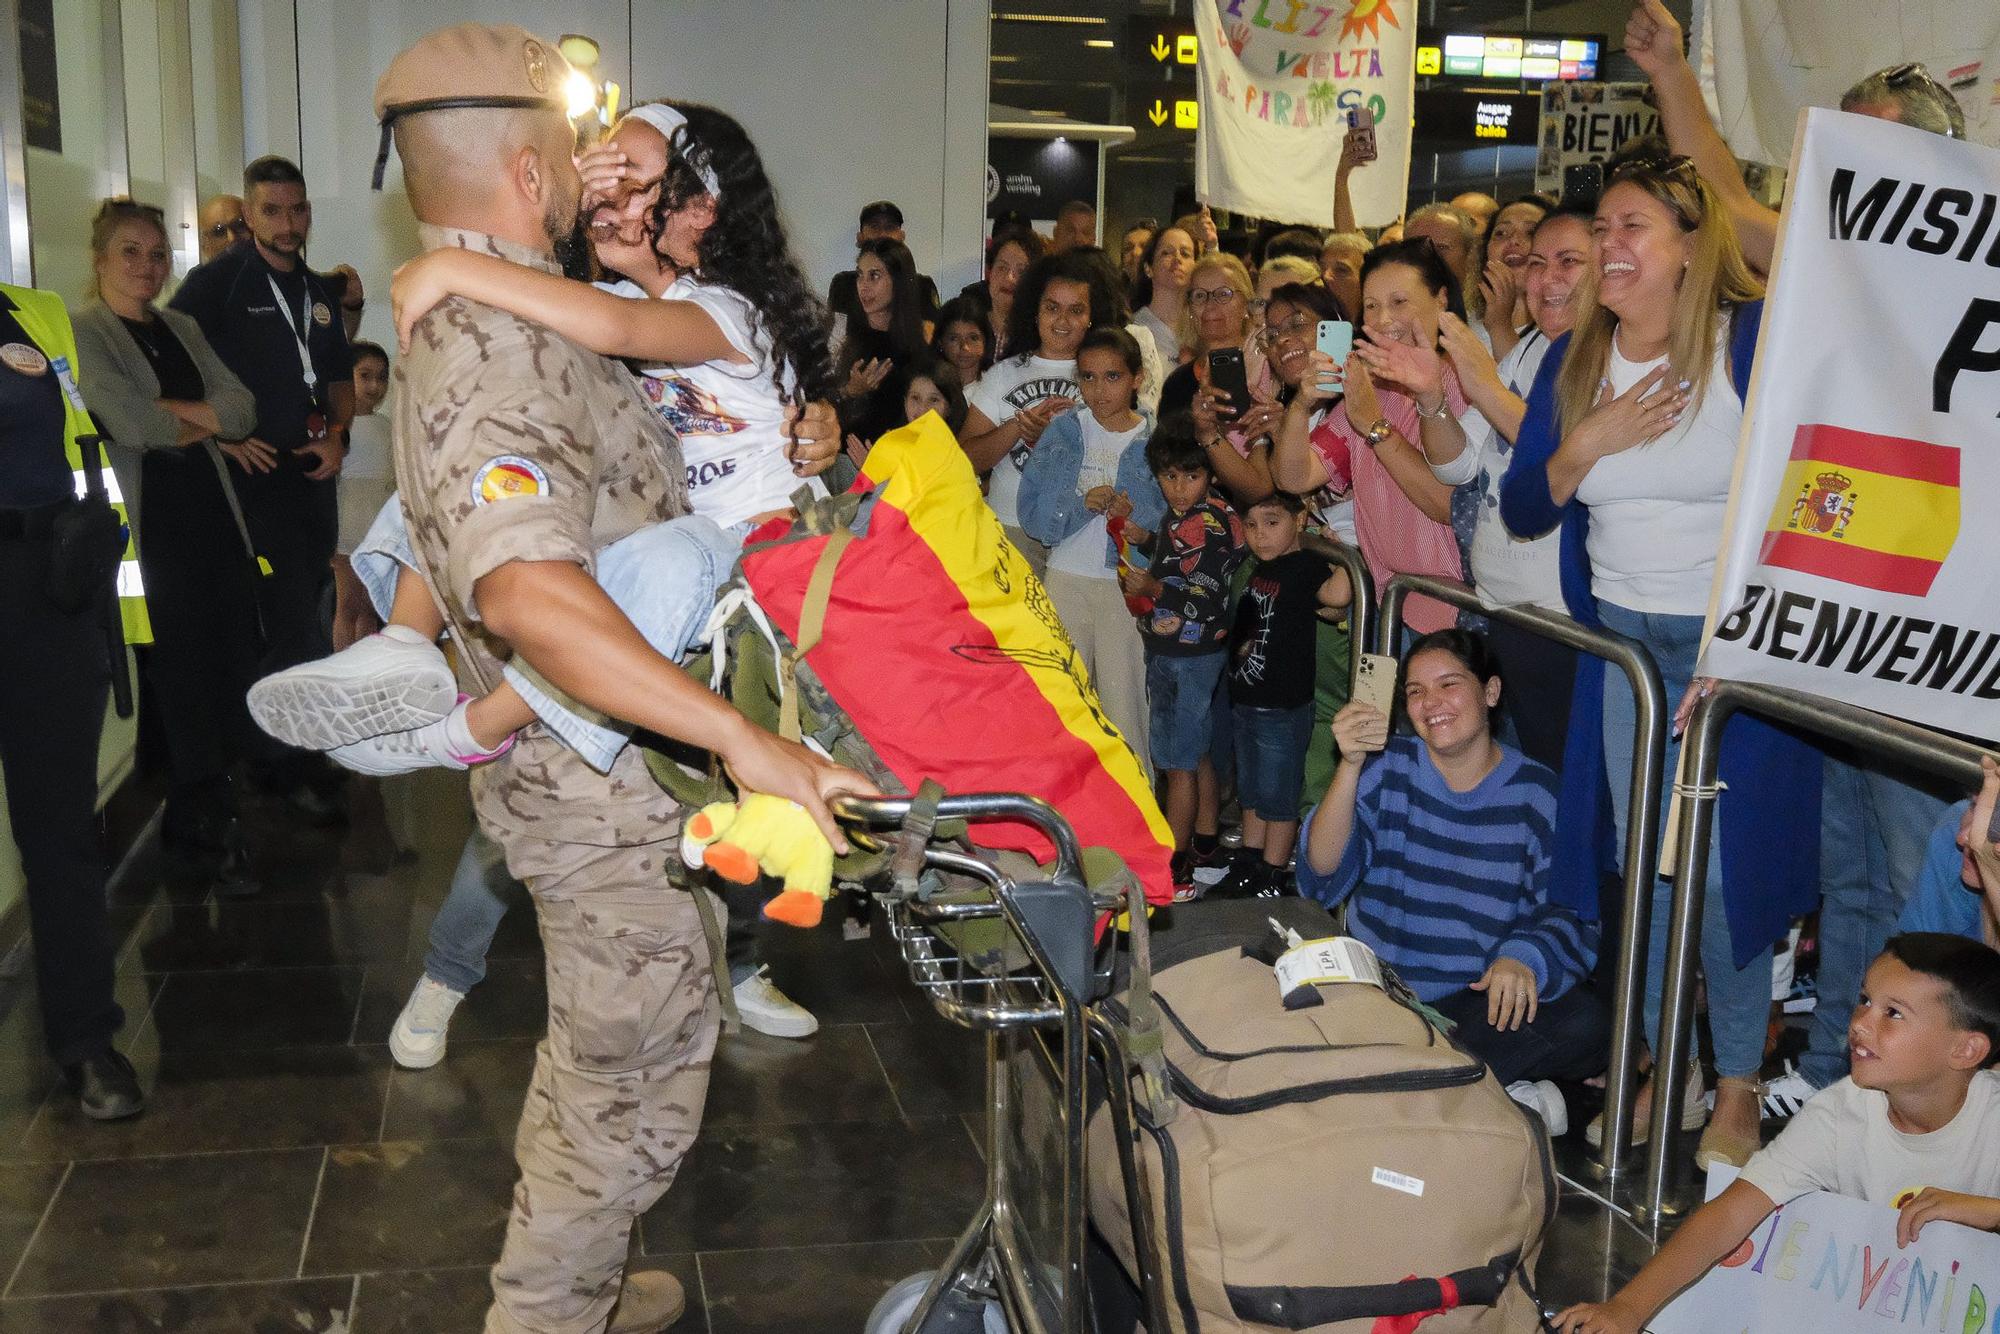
(1739, 999)
(1271, 759)
(462, 931)
(1874, 825)
(1180, 692)
(664, 578)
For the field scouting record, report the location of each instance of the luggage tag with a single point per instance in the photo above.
(1310, 964)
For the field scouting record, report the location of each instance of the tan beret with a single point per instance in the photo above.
(470, 65)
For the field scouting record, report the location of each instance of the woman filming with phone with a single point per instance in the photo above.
(1399, 398)
(1227, 385)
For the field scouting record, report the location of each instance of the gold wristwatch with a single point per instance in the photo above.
(1379, 432)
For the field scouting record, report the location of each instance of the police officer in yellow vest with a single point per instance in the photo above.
(54, 677)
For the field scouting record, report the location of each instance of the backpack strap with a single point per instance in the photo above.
(1144, 1041)
(812, 620)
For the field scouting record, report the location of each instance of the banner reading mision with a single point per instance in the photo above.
(1859, 563)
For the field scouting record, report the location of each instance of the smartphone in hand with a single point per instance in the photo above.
(1361, 128)
(1375, 683)
(1227, 375)
(1336, 340)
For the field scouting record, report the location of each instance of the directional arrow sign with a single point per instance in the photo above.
(1160, 48)
(1158, 115)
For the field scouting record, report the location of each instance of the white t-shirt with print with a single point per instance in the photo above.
(1082, 552)
(1656, 509)
(1842, 1141)
(728, 415)
(1010, 386)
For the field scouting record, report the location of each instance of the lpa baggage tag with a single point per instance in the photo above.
(1314, 963)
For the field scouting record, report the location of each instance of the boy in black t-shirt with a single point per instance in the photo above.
(1272, 660)
(1197, 548)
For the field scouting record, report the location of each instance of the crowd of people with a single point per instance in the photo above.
(1542, 400)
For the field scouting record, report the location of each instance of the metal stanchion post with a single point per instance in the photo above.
(1361, 611)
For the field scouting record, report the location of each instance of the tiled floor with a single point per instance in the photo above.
(288, 1177)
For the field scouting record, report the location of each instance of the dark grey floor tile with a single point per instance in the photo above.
(807, 1290)
(262, 1007)
(168, 1222)
(476, 1091)
(25, 1191)
(22, 1045)
(402, 1205)
(511, 1003)
(1590, 1252)
(298, 1307)
(252, 933)
(842, 982)
(438, 1300)
(830, 1076)
(201, 1100)
(801, 1185)
(936, 1069)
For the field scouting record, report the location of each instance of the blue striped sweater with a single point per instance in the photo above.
(1443, 882)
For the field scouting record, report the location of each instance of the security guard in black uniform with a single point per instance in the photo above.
(55, 672)
(276, 324)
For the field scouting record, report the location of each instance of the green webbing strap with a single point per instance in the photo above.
(1144, 1039)
(812, 620)
(919, 822)
(718, 956)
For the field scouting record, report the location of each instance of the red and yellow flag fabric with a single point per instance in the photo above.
(948, 654)
(1878, 511)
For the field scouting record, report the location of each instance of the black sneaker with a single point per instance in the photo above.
(1245, 873)
(1275, 883)
(106, 1086)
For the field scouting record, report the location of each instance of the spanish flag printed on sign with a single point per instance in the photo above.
(1877, 511)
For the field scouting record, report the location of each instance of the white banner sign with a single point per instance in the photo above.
(1859, 560)
(1588, 122)
(1830, 1264)
(1764, 61)
(1276, 81)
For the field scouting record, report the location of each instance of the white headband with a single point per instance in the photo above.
(667, 121)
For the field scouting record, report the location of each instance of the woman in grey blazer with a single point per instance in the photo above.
(174, 412)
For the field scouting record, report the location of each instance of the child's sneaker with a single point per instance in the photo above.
(1545, 1100)
(444, 744)
(394, 681)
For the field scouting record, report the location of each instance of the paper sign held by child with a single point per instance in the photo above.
(1830, 1264)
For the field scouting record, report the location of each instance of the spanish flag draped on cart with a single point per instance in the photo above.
(947, 654)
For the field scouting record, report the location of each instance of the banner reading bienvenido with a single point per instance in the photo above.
(1276, 81)
(1859, 562)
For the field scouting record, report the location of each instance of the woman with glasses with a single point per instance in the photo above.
(1629, 446)
(1235, 435)
(174, 412)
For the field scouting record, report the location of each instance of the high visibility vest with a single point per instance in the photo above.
(45, 319)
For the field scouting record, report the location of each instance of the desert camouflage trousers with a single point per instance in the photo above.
(619, 1081)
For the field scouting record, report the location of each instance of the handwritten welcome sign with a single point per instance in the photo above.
(1830, 1264)
(1277, 81)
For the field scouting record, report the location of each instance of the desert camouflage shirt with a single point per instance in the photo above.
(514, 443)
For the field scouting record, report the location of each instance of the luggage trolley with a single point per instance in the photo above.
(1014, 958)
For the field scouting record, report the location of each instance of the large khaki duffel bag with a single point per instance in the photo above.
(1315, 1168)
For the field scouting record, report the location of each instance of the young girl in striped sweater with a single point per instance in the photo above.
(1438, 843)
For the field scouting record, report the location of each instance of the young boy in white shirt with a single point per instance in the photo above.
(1915, 1126)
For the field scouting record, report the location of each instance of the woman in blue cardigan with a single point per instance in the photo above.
(1630, 446)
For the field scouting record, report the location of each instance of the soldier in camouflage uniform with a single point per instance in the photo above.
(521, 454)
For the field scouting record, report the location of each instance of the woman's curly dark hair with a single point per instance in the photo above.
(746, 249)
(1085, 264)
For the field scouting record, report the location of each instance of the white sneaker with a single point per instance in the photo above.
(1545, 1100)
(771, 1011)
(389, 682)
(417, 1040)
(428, 747)
(1784, 1095)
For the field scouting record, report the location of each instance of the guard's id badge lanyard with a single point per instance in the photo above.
(315, 419)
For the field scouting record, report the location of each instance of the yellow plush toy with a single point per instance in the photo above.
(764, 833)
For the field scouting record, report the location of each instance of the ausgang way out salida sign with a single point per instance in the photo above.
(1862, 556)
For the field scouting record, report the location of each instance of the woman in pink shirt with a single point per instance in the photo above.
(1400, 394)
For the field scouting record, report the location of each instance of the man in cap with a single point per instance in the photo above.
(521, 454)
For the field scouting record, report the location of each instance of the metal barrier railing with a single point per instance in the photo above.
(1642, 830)
(1946, 756)
(1361, 611)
